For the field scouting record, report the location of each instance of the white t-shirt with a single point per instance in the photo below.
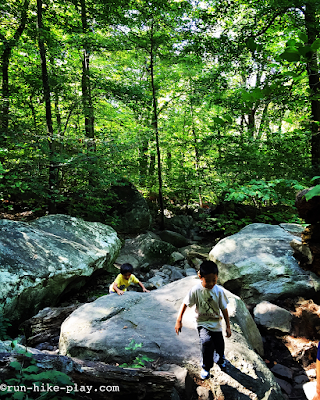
(208, 303)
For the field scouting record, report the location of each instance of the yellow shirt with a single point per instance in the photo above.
(123, 283)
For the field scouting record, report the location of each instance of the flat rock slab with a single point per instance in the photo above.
(102, 329)
(257, 264)
(42, 260)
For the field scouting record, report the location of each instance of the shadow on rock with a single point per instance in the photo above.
(231, 393)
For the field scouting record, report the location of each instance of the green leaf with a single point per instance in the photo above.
(290, 55)
(315, 45)
(314, 178)
(31, 368)
(16, 365)
(304, 50)
(291, 43)
(251, 44)
(218, 121)
(18, 395)
(303, 37)
(313, 193)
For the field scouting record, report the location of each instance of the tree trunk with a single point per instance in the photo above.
(196, 161)
(87, 101)
(156, 131)
(53, 170)
(143, 162)
(8, 45)
(313, 31)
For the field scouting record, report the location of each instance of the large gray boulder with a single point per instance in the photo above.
(257, 264)
(129, 209)
(175, 238)
(146, 248)
(43, 260)
(102, 329)
(272, 316)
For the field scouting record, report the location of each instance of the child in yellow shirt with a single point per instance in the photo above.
(124, 279)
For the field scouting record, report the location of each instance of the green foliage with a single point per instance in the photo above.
(231, 106)
(29, 375)
(230, 222)
(225, 224)
(140, 360)
(262, 193)
(315, 191)
(4, 325)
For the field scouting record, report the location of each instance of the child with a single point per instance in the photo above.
(317, 395)
(124, 279)
(209, 299)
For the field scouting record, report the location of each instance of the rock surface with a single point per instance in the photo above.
(43, 260)
(257, 264)
(130, 209)
(272, 316)
(175, 238)
(146, 248)
(149, 318)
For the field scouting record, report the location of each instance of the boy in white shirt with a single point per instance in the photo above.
(209, 299)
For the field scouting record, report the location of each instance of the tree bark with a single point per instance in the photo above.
(5, 61)
(156, 131)
(53, 170)
(313, 31)
(87, 103)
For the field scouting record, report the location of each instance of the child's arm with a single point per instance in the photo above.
(116, 289)
(226, 318)
(178, 325)
(143, 288)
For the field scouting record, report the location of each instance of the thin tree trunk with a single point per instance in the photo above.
(196, 155)
(87, 100)
(53, 170)
(8, 45)
(143, 162)
(156, 131)
(263, 121)
(313, 32)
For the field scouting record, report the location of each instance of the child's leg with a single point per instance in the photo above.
(207, 347)
(317, 395)
(218, 345)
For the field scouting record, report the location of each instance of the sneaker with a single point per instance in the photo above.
(204, 374)
(223, 364)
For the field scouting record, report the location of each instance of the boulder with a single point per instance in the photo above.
(175, 238)
(43, 260)
(295, 229)
(257, 264)
(165, 275)
(146, 248)
(176, 257)
(130, 209)
(272, 316)
(45, 326)
(182, 224)
(148, 319)
(308, 210)
(309, 257)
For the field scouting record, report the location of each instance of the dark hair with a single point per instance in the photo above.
(208, 267)
(125, 268)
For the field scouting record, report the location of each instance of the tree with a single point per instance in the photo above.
(9, 41)
(53, 170)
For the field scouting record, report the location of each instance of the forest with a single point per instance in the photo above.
(194, 102)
